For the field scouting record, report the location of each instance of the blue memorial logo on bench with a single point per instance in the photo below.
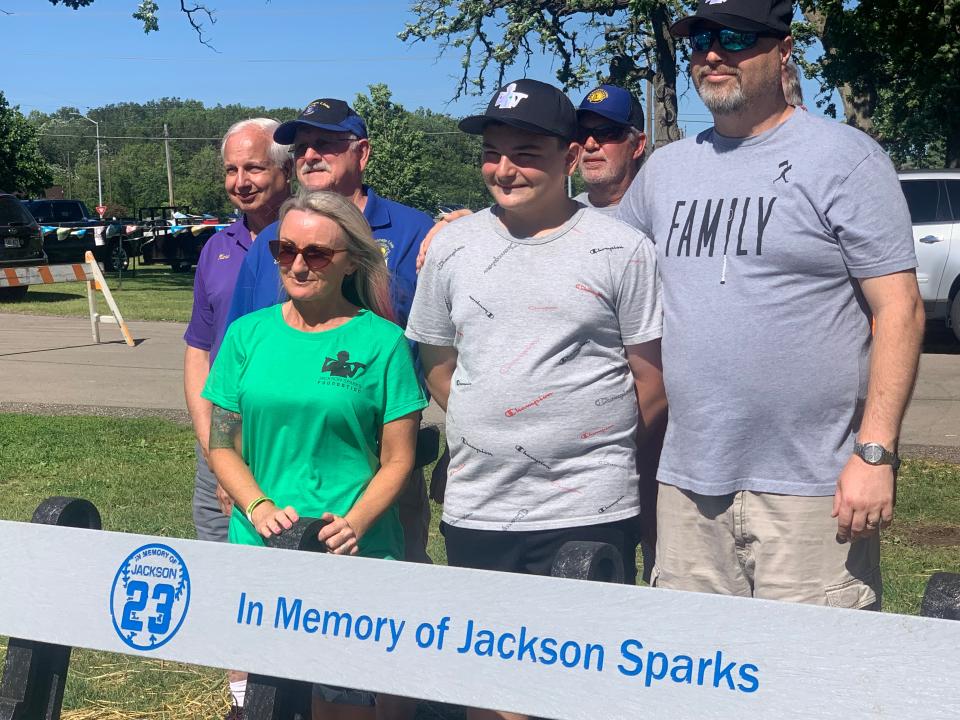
(150, 596)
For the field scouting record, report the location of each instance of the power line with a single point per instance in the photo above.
(234, 61)
(127, 137)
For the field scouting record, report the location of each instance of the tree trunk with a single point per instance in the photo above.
(857, 107)
(666, 129)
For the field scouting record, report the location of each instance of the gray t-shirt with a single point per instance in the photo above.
(766, 334)
(542, 412)
(609, 210)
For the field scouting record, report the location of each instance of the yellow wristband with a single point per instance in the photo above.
(254, 505)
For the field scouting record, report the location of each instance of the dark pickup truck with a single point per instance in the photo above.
(171, 234)
(70, 229)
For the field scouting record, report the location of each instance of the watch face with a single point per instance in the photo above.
(872, 453)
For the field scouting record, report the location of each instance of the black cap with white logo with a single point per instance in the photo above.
(773, 16)
(531, 105)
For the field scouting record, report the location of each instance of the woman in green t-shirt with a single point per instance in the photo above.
(315, 401)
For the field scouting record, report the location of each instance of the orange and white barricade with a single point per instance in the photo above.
(89, 272)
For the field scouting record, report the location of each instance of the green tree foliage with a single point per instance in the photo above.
(22, 167)
(203, 185)
(452, 160)
(420, 158)
(132, 155)
(897, 63)
(397, 167)
(621, 41)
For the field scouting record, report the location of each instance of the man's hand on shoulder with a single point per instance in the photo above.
(863, 503)
(442, 222)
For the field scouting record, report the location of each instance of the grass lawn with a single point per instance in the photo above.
(118, 463)
(155, 293)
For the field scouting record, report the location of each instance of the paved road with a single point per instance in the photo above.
(53, 361)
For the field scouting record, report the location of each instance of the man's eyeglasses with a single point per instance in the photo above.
(730, 40)
(324, 146)
(603, 134)
(317, 257)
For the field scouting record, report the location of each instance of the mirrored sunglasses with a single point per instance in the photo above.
(730, 40)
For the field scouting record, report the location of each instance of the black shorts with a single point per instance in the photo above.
(531, 552)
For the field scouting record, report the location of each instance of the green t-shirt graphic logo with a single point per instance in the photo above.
(341, 366)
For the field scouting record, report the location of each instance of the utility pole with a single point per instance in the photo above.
(99, 177)
(166, 150)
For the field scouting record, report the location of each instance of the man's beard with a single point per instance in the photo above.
(721, 101)
(606, 174)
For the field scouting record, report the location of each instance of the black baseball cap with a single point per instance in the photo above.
(773, 16)
(326, 114)
(529, 105)
(614, 103)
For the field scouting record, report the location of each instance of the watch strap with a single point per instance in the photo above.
(887, 457)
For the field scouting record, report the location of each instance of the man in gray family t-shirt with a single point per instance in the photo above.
(539, 323)
(780, 237)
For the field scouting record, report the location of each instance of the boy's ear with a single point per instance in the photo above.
(572, 157)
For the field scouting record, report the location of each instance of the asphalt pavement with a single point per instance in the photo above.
(52, 364)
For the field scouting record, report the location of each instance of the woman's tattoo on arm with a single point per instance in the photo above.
(224, 428)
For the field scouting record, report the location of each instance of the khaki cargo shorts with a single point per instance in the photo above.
(776, 547)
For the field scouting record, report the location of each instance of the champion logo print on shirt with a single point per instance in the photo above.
(520, 449)
(481, 306)
(510, 412)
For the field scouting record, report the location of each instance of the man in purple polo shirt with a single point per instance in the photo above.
(256, 177)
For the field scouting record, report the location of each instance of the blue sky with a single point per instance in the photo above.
(277, 53)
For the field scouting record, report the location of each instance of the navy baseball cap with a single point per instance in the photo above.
(614, 103)
(773, 16)
(326, 114)
(531, 105)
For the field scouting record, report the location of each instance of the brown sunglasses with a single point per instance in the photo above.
(317, 257)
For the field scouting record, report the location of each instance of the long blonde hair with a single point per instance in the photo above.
(369, 285)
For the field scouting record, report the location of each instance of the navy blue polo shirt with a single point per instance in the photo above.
(398, 228)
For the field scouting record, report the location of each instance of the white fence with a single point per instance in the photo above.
(543, 646)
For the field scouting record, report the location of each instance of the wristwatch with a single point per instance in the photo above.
(876, 454)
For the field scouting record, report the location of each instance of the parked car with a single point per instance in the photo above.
(933, 197)
(21, 242)
(71, 230)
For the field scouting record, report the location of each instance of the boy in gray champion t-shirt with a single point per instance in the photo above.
(526, 315)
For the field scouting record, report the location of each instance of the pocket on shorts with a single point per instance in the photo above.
(857, 593)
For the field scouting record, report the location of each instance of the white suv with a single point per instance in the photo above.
(933, 197)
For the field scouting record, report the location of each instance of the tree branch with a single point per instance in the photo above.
(197, 25)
